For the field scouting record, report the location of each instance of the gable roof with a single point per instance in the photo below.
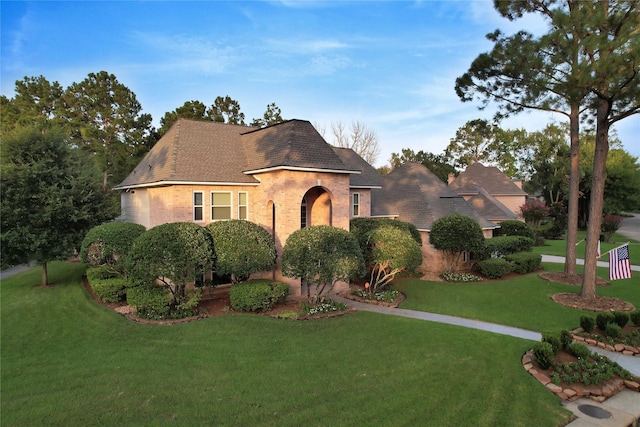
(414, 194)
(490, 207)
(210, 152)
(490, 178)
(368, 177)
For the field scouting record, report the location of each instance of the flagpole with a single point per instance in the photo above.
(624, 244)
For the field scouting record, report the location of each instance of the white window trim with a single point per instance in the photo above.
(246, 205)
(354, 204)
(193, 201)
(230, 206)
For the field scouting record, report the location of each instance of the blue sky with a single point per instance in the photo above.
(391, 65)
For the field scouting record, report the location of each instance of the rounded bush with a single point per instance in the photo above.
(635, 317)
(110, 290)
(587, 323)
(456, 233)
(506, 245)
(603, 319)
(566, 338)
(396, 246)
(613, 330)
(241, 248)
(524, 262)
(553, 338)
(543, 355)
(321, 255)
(621, 318)
(363, 226)
(513, 227)
(109, 243)
(495, 268)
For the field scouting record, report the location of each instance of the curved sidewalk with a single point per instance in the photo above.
(630, 363)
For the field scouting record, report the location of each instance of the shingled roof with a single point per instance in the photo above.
(490, 178)
(414, 194)
(291, 144)
(209, 152)
(368, 177)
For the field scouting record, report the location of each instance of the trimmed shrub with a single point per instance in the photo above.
(513, 227)
(566, 338)
(390, 251)
(455, 234)
(579, 350)
(110, 290)
(525, 262)
(150, 301)
(553, 338)
(621, 318)
(362, 227)
(506, 245)
(101, 273)
(603, 319)
(495, 268)
(171, 253)
(241, 248)
(322, 255)
(543, 354)
(635, 317)
(257, 295)
(613, 330)
(587, 323)
(109, 244)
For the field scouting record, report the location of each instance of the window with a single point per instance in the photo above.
(356, 204)
(303, 212)
(220, 205)
(198, 206)
(242, 205)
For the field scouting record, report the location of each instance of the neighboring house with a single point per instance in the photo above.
(490, 192)
(283, 177)
(412, 193)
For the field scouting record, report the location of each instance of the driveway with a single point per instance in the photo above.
(630, 227)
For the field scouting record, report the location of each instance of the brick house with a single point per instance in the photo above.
(496, 196)
(282, 177)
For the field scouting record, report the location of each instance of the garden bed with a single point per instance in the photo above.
(575, 390)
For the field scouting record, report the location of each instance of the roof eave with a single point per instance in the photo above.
(166, 183)
(299, 169)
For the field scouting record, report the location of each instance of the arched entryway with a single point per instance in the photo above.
(316, 208)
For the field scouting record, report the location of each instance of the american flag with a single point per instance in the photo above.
(619, 264)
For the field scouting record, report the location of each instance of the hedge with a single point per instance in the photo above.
(524, 262)
(505, 245)
(495, 268)
(150, 301)
(108, 243)
(110, 290)
(513, 227)
(257, 295)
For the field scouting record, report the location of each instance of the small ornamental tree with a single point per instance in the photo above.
(109, 244)
(363, 226)
(513, 227)
(392, 251)
(321, 255)
(610, 224)
(240, 248)
(455, 234)
(170, 253)
(534, 212)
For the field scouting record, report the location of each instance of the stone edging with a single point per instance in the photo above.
(598, 393)
(627, 350)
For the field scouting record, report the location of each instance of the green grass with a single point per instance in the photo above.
(558, 247)
(523, 302)
(69, 361)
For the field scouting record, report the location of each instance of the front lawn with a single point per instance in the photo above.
(558, 247)
(523, 302)
(69, 361)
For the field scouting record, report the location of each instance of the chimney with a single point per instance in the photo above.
(451, 178)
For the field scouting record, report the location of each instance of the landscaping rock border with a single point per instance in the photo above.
(598, 393)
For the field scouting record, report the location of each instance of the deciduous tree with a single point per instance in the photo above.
(50, 198)
(358, 137)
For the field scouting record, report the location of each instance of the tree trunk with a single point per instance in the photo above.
(574, 189)
(45, 275)
(588, 290)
